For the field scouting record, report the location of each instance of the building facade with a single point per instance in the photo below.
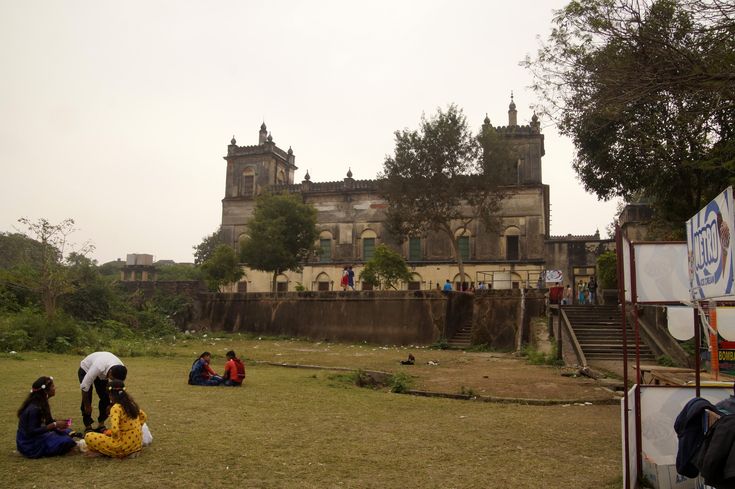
(350, 221)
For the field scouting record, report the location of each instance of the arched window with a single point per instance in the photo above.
(325, 246)
(368, 244)
(247, 183)
(282, 283)
(463, 242)
(414, 249)
(323, 282)
(512, 243)
(415, 282)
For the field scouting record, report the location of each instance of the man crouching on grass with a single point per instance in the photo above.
(96, 369)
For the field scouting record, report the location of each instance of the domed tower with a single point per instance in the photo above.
(250, 169)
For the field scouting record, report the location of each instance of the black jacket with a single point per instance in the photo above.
(716, 458)
(689, 427)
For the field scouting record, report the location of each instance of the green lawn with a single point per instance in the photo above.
(309, 428)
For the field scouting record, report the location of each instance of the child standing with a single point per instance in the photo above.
(126, 421)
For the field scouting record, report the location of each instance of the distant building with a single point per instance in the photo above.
(138, 267)
(350, 216)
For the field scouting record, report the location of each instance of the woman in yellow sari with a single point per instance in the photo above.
(124, 436)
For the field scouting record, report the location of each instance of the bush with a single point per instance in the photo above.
(607, 270)
(665, 361)
(535, 357)
(400, 382)
(440, 345)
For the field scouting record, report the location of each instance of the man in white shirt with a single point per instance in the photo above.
(95, 370)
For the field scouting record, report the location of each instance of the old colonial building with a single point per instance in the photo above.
(351, 213)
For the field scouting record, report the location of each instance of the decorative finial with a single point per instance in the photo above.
(534, 117)
(290, 151)
(307, 177)
(349, 173)
(232, 141)
(487, 119)
(270, 138)
(512, 105)
(262, 126)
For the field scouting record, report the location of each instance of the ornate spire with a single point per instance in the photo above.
(512, 114)
(270, 138)
(349, 172)
(307, 177)
(290, 151)
(487, 120)
(232, 141)
(535, 124)
(262, 134)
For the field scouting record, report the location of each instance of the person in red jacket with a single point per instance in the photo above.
(234, 370)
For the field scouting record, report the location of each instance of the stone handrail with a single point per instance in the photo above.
(563, 319)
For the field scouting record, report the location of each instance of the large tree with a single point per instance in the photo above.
(646, 90)
(442, 178)
(281, 235)
(205, 250)
(221, 268)
(385, 269)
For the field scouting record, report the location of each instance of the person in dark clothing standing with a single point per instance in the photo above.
(592, 287)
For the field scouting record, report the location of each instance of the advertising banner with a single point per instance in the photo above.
(553, 276)
(710, 248)
(661, 272)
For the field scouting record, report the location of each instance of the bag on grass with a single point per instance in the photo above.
(147, 436)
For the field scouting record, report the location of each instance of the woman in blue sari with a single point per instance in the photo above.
(39, 434)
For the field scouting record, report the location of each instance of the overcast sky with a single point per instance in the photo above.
(117, 114)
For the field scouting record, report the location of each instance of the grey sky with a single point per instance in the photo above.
(117, 114)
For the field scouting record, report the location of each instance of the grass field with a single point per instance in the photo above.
(312, 428)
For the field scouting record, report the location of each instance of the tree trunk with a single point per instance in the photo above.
(460, 263)
(275, 283)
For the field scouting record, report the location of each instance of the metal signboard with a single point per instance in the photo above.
(710, 249)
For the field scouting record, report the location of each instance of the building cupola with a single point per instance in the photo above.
(512, 113)
(263, 134)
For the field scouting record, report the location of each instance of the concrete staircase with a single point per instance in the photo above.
(598, 330)
(462, 337)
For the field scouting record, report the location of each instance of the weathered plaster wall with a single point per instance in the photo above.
(398, 317)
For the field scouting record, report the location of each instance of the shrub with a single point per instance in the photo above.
(440, 345)
(400, 382)
(665, 361)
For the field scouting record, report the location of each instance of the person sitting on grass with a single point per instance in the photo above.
(234, 370)
(125, 435)
(201, 373)
(39, 434)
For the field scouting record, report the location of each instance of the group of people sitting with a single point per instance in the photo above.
(202, 374)
(40, 434)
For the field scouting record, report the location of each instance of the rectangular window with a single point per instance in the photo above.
(282, 286)
(464, 247)
(325, 250)
(368, 248)
(242, 287)
(414, 285)
(511, 248)
(366, 286)
(247, 186)
(322, 286)
(414, 249)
